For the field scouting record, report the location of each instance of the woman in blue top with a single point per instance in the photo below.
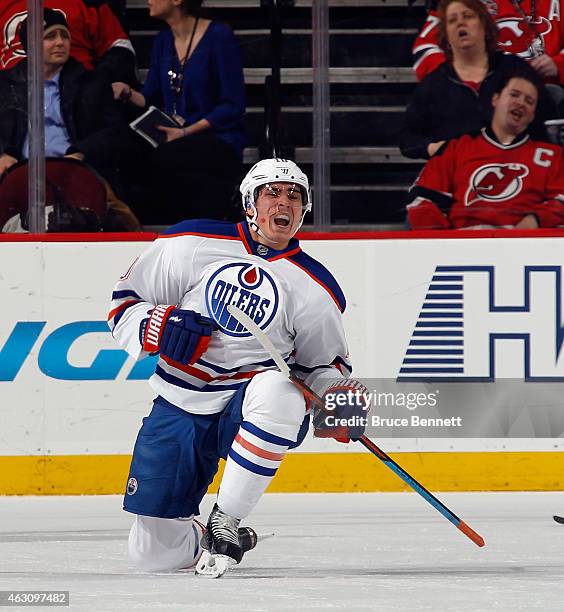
(195, 75)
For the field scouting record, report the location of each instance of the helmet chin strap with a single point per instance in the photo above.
(252, 221)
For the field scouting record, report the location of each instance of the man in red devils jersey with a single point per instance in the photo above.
(497, 177)
(98, 39)
(531, 29)
(219, 392)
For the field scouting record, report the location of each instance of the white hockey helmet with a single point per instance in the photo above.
(273, 170)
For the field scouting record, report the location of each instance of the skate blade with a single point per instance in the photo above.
(213, 566)
(264, 536)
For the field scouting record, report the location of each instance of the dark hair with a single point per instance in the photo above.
(480, 9)
(191, 7)
(524, 72)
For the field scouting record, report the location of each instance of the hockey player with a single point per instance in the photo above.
(98, 39)
(531, 29)
(219, 394)
(496, 177)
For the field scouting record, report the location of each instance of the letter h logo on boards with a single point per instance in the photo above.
(475, 326)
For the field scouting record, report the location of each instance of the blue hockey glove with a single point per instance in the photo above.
(346, 412)
(181, 335)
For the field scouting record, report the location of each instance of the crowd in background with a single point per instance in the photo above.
(479, 116)
(490, 72)
(92, 95)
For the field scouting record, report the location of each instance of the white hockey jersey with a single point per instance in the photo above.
(206, 265)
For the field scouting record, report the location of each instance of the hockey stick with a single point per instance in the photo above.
(559, 519)
(366, 442)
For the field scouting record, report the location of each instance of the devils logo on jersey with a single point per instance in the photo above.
(246, 286)
(495, 183)
(518, 37)
(10, 43)
(10, 46)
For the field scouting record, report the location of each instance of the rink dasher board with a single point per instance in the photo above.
(75, 434)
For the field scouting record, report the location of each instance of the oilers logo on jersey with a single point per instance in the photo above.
(246, 286)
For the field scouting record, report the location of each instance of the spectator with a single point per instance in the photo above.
(531, 29)
(456, 97)
(98, 39)
(497, 177)
(81, 119)
(195, 75)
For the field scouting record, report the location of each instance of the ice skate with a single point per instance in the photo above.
(248, 538)
(224, 544)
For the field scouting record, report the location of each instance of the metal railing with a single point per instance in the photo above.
(36, 118)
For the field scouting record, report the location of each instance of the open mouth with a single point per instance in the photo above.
(517, 114)
(282, 220)
(462, 33)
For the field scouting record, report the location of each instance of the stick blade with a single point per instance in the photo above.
(468, 531)
(559, 519)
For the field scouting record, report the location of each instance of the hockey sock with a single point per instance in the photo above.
(251, 464)
(157, 544)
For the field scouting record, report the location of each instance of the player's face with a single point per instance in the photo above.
(56, 47)
(463, 27)
(279, 212)
(515, 106)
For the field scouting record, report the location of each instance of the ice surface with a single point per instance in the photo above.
(382, 551)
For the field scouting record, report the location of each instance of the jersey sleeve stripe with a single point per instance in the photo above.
(178, 382)
(240, 375)
(425, 55)
(440, 198)
(424, 47)
(200, 374)
(188, 369)
(123, 43)
(215, 368)
(120, 295)
(120, 310)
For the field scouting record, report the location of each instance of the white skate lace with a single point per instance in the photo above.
(224, 527)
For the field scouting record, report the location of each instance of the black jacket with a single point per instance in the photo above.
(91, 116)
(443, 107)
